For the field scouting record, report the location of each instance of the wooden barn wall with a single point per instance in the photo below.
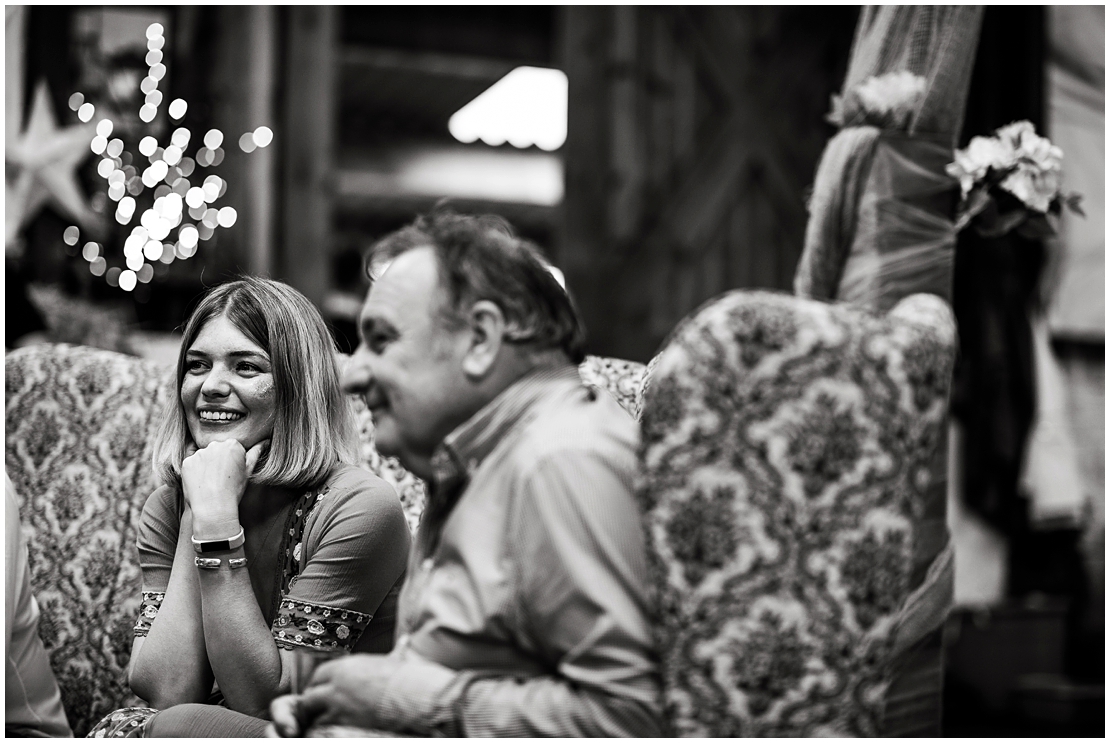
(693, 136)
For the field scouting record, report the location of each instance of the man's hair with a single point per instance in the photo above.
(313, 421)
(479, 258)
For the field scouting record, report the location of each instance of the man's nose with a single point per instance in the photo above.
(357, 375)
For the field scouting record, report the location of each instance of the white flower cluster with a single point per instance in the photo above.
(892, 97)
(1029, 165)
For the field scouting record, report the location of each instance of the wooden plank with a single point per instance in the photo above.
(308, 148)
(258, 219)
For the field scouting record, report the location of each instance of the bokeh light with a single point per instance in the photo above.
(263, 135)
(178, 108)
(105, 167)
(247, 143)
(167, 253)
(134, 261)
(97, 266)
(227, 217)
(172, 155)
(180, 136)
(115, 147)
(86, 112)
(104, 128)
(112, 277)
(145, 274)
(213, 139)
(147, 113)
(186, 165)
(98, 145)
(153, 250)
(195, 197)
(71, 235)
(148, 84)
(127, 280)
(90, 251)
(154, 98)
(188, 236)
(156, 43)
(76, 100)
(147, 145)
(158, 71)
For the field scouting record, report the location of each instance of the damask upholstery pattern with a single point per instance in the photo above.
(786, 445)
(80, 425)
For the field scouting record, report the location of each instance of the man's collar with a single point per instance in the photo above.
(467, 446)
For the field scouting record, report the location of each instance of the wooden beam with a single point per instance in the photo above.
(260, 165)
(308, 148)
(430, 63)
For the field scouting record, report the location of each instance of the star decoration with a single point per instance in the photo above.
(40, 167)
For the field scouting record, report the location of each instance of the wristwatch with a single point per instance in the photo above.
(219, 545)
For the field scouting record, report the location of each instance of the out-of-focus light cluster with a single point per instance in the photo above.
(164, 232)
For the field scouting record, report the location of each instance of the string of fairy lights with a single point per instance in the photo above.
(184, 210)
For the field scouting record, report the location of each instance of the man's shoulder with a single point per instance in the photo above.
(586, 423)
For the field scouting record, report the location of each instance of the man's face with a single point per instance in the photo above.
(408, 368)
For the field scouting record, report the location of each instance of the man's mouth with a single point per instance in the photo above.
(220, 416)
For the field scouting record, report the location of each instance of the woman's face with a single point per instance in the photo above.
(228, 389)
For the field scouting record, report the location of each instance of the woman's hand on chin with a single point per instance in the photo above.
(213, 480)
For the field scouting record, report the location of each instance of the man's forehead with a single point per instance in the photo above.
(406, 284)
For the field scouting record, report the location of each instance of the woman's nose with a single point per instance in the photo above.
(215, 384)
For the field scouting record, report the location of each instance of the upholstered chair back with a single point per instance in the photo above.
(786, 449)
(80, 425)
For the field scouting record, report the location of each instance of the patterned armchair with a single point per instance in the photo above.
(80, 424)
(786, 449)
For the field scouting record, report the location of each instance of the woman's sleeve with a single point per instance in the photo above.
(355, 550)
(157, 542)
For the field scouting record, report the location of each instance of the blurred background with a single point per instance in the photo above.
(659, 155)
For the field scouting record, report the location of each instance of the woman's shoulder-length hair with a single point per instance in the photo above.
(314, 425)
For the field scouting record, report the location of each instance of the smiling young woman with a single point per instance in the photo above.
(264, 537)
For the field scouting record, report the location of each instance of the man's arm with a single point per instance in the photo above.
(578, 549)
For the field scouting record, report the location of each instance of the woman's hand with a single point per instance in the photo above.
(213, 480)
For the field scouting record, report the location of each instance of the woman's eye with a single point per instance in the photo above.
(246, 366)
(378, 341)
(193, 365)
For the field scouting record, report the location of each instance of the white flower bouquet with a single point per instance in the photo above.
(885, 101)
(1011, 181)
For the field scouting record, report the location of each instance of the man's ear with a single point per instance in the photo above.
(487, 331)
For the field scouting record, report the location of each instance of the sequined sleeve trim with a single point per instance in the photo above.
(300, 624)
(148, 610)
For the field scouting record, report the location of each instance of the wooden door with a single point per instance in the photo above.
(692, 136)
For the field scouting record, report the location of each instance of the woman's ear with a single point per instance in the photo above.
(486, 333)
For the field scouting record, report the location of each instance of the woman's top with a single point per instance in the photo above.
(320, 566)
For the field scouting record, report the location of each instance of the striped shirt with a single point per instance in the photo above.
(525, 614)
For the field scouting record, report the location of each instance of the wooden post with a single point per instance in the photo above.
(259, 198)
(307, 146)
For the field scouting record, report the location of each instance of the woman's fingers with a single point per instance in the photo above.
(255, 453)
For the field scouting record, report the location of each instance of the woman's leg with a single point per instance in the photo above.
(204, 721)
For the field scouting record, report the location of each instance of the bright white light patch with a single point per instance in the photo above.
(526, 107)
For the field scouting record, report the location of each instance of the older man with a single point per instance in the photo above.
(524, 609)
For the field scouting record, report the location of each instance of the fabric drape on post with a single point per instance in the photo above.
(937, 44)
(881, 227)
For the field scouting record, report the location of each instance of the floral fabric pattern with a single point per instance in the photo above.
(129, 722)
(80, 425)
(148, 611)
(786, 445)
(306, 625)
